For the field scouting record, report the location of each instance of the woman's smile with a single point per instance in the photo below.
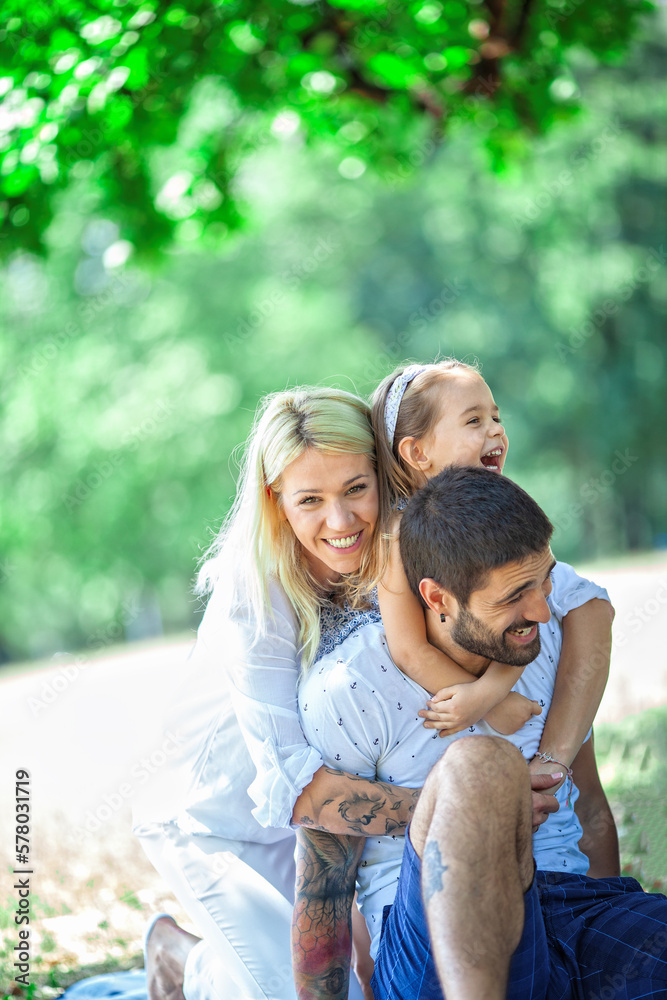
(330, 500)
(344, 543)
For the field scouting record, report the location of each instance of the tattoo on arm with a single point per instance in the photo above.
(432, 870)
(377, 808)
(322, 923)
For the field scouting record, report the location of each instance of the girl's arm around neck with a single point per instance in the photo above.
(582, 674)
(467, 698)
(405, 628)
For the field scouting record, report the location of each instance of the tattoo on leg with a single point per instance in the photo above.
(432, 870)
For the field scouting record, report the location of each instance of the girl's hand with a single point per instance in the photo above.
(455, 708)
(512, 713)
(458, 707)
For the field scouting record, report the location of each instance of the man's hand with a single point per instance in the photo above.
(544, 804)
(537, 766)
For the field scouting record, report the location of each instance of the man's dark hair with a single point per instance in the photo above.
(464, 523)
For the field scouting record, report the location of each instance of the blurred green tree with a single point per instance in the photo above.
(126, 388)
(159, 101)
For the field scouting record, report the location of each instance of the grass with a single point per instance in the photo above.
(632, 755)
(92, 899)
(90, 903)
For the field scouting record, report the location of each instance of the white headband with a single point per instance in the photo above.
(394, 397)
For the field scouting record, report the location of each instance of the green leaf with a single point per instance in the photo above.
(395, 72)
(457, 56)
(136, 61)
(19, 180)
(371, 6)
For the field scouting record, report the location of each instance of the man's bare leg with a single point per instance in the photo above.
(167, 948)
(472, 831)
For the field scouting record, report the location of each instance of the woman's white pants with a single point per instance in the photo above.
(239, 895)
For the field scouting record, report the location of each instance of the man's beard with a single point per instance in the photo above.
(475, 636)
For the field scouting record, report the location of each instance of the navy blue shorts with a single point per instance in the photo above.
(583, 939)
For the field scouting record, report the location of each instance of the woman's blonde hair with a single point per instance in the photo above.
(255, 543)
(419, 411)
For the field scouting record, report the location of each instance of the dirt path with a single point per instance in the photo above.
(638, 675)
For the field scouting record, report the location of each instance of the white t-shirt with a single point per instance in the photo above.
(360, 711)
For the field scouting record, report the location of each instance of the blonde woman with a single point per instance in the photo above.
(218, 825)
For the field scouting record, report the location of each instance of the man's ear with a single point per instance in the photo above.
(413, 454)
(437, 598)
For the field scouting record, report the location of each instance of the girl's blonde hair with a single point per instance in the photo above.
(254, 542)
(419, 412)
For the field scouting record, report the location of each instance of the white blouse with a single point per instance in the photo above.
(244, 758)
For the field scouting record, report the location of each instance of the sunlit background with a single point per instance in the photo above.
(202, 202)
(128, 381)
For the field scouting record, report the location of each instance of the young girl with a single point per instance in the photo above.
(425, 418)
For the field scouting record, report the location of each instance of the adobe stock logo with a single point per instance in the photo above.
(635, 620)
(139, 774)
(622, 293)
(595, 488)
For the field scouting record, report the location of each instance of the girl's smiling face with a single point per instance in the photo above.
(468, 431)
(331, 503)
